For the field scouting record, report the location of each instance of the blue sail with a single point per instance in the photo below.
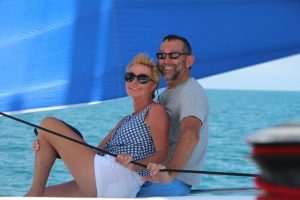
(55, 53)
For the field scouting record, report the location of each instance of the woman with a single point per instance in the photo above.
(136, 137)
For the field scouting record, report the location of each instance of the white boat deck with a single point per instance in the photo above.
(202, 197)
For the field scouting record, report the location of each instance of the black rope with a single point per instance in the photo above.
(114, 155)
(199, 191)
(209, 172)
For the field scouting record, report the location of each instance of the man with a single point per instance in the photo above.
(187, 106)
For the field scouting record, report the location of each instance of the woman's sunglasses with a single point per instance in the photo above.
(141, 78)
(172, 55)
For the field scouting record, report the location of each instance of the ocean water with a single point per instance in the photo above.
(233, 115)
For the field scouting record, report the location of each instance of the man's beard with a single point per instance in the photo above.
(169, 76)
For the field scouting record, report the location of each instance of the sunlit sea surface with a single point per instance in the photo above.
(233, 115)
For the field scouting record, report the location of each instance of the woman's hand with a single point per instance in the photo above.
(35, 146)
(157, 176)
(125, 160)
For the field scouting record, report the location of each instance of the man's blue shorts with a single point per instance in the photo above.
(175, 188)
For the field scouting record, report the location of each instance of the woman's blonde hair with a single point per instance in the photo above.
(145, 60)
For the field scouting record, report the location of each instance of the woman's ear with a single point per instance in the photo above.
(154, 86)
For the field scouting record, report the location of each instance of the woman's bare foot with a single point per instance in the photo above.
(34, 193)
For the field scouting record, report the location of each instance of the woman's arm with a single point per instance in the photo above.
(158, 121)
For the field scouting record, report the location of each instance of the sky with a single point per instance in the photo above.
(282, 75)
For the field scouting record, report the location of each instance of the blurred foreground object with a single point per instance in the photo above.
(276, 151)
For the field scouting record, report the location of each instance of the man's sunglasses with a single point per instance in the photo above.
(172, 55)
(141, 78)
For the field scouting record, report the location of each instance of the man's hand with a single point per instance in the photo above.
(156, 175)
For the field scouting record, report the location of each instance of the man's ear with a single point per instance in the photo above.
(190, 61)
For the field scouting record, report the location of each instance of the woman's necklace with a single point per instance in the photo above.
(139, 110)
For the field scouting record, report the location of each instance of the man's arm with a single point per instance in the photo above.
(189, 138)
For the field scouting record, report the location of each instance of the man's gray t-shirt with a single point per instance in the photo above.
(187, 99)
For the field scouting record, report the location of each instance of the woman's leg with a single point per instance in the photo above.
(68, 189)
(78, 159)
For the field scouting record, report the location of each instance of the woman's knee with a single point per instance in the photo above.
(50, 121)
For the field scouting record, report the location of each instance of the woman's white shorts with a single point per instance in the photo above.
(114, 180)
